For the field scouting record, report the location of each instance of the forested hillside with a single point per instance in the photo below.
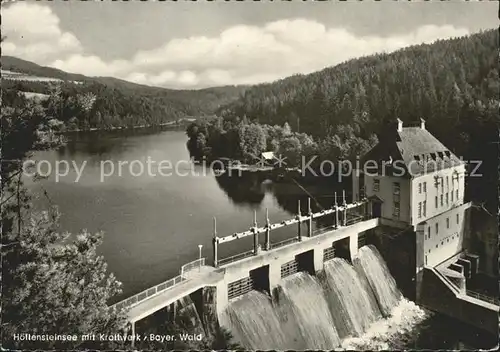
(116, 103)
(449, 83)
(453, 84)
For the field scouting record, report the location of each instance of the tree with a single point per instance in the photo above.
(252, 141)
(52, 282)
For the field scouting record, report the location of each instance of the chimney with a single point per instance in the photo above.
(422, 124)
(400, 125)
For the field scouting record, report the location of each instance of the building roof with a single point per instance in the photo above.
(411, 151)
(268, 155)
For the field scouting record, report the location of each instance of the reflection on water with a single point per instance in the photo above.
(153, 224)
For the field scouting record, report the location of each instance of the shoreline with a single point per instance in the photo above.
(177, 123)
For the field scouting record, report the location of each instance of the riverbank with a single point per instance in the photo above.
(177, 123)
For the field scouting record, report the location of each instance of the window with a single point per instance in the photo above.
(376, 185)
(419, 188)
(442, 185)
(395, 211)
(425, 260)
(419, 210)
(437, 228)
(425, 187)
(451, 196)
(429, 232)
(447, 223)
(458, 218)
(456, 194)
(396, 193)
(447, 200)
(436, 199)
(442, 200)
(396, 187)
(424, 207)
(447, 183)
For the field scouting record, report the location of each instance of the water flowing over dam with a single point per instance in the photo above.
(346, 306)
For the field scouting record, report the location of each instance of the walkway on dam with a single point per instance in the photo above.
(348, 219)
(193, 280)
(199, 277)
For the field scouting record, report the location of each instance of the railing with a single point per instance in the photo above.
(198, 263)
(153, 291)
(322, 230)
(295, 220)
(483, 297)
(355, 219)
(284, 242)
(236, 257)
(351, 220)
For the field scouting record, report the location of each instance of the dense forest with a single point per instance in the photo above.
(447, 83)
(115, 103)
(452, 84)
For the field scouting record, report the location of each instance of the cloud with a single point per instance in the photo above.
(238, 55)
(32, 32)
(92, 65)
(248, 55)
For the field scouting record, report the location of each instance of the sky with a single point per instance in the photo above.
(190, 45)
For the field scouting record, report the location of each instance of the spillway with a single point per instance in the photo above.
(370, 264)
(254, 322)
(350, 298)
(348, 306)
(301, 298)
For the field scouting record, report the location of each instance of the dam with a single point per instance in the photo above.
(326, 288)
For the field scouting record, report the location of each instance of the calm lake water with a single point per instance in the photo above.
(153, 224)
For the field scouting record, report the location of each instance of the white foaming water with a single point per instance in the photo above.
(303, 294)
(371, 265)
(305, 315)
(254, 323)
(353, 306)
(382, 333)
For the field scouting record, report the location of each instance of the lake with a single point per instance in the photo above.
(153, 224)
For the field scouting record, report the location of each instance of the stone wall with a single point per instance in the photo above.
(434, 294)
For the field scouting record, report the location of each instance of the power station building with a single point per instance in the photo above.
(410, 177)
(417, 180)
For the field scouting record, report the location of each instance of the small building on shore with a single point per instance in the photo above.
(267, 158)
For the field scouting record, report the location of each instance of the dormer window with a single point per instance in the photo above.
(376, 185)
(396, 188)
